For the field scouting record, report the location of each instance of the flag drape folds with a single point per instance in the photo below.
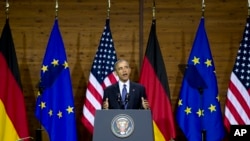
(13, 120)
(55, 103)
(237, 111)
(198, 106)
(154, 78)
(101, 75)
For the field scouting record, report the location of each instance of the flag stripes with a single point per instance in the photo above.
(154, 77)
(237, 111)
(100, 77)
(13, 120)
(237, 108)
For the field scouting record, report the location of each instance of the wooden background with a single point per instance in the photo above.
(81, 23)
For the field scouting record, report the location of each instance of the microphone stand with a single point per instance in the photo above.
(119, 100)
(126, 100)
(122, 103)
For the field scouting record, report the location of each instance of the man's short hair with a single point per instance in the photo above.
(120, 60)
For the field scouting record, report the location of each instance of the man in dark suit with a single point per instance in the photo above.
(124, 94)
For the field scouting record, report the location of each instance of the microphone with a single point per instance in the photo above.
(125, 102)
(24, 138)
(119, 99)
(127, 98)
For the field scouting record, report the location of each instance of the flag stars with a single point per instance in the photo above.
(55, 62)
(237, 63)
(44, 68)
(111, 68)
(243, 65)
(245, 45)
(70, 109)
(50, 112)
(42, 105)
(246, 39)
(248, 77)
(212, 108)
(214, 72)
(200, 112)
(180, 102)
(196, 60)
(59, 114)
(218, 98)
(247, 84)
(208, 62)
(38, 93)
(65, 64)
(188, 110)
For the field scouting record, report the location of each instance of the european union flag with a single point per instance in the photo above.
(55, 103)
(199, 113)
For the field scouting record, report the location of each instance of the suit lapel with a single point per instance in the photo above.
(132, 88)
(117, 90)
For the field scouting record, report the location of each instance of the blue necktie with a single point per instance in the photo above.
(124, 92)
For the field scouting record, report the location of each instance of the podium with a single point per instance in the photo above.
(123, 125)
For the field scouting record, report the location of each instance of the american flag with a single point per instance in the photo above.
(237, 105)
(101, 76)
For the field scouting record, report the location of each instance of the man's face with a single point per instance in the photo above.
(123, 71)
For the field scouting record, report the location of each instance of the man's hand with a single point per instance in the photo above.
(105, 104)
(145, 104)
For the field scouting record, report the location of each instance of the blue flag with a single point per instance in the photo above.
(55, 104)
(199, 114)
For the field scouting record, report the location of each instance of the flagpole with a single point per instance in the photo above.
(248, 8)
(56, 9)
(153, 10)
(203, 8)
(108, 9)
(154, 18)
(7, 9)
(39, 129)
(203, 131)
(141, 11)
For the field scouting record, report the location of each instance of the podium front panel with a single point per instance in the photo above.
(123, 125)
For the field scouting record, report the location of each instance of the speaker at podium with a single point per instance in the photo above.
(123, 125)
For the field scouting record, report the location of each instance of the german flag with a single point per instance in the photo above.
(13, 122)
(154, 78)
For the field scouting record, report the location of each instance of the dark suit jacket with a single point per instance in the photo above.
(136, 91)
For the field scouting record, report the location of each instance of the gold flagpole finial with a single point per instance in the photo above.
(56, 9)
(203, 8)
(153, 10)
(7, 9)
(108, 9)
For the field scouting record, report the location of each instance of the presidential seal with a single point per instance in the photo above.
(122, 125)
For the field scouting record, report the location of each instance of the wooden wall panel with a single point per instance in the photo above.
(81, 23)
